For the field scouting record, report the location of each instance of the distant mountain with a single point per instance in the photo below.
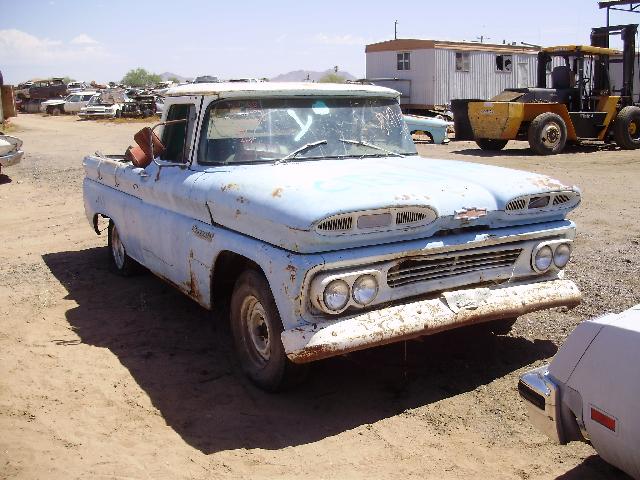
(167, 75)
(301, 75)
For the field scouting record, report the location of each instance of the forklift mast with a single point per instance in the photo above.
(600, 38)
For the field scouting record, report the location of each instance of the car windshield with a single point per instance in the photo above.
(288, 129)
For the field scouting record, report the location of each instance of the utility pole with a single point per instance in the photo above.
(395, 30)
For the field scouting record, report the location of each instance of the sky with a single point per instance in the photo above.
(102, 40)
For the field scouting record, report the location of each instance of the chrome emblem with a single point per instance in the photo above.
(467, 214)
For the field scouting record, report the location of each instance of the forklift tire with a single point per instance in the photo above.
(626, 130)
(547, 134)
(491, 145)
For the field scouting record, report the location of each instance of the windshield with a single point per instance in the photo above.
(271, 130)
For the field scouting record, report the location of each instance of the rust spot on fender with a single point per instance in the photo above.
(229, 186)
(192, 286)
(277, 193)
(292, 272)
(547, 182)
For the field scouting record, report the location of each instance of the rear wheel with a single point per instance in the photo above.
(547, 134)
(626, 130)
(256, 328)
(491, 145)
(119, 262)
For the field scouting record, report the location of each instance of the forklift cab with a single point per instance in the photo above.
(581, 81)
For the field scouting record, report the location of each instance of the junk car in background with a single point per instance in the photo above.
(107, 104)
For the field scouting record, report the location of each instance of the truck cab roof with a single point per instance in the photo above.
(284, 89)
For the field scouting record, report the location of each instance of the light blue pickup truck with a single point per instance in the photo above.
(307, 209)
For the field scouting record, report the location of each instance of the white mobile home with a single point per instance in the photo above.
(430, 73)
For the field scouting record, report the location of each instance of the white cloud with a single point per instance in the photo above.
(83, 39)
(18, 48)
(348, 39)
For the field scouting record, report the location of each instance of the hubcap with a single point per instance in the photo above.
(551, 134)
(117, 248)
(633, 128)
(254, 320)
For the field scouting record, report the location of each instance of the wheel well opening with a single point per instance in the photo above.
(229, 265)
(98, 223)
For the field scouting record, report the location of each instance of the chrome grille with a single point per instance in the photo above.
(409, 217)
(424, 268)
(336, 224)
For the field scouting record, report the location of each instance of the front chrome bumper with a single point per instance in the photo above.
(324, 339)
(542, 400)
(12, 158)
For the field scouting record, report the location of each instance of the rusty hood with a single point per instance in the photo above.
(284, 204)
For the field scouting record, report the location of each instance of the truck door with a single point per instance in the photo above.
(170, 211)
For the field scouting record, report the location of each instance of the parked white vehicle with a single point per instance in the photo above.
(10, 151)
(104, 105)
(591, 389)
(71, 104)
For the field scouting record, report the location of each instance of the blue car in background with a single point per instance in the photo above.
(435, 128)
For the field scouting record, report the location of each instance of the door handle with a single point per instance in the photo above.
(143, 174)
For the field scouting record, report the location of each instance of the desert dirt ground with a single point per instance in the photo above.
(105, 377)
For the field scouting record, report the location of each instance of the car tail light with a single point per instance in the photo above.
(603, 419)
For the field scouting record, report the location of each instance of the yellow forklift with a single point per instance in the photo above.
(580, 105)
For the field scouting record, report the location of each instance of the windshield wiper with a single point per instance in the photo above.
(370, 145)
(302, 149)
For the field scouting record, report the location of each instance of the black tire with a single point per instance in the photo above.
(118, 114)
(547, 134)
(491, 145)
(119, 262)
(258, 345)
(626, 129)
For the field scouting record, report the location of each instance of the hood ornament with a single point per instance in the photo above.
(468, 214)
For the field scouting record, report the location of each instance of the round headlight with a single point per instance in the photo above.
(365, 289)
(543, 259)
(562, 255)
(336, 295)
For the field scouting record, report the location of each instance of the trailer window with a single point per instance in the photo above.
(404, 61)
(463, 62)
(504, 63)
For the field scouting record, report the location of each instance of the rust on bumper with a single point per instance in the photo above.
(424, 317)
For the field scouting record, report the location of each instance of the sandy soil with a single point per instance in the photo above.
(103, 377)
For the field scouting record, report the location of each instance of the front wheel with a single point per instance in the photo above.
(547, 134)
(626, 130)
(491, 145)
(256, 329)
